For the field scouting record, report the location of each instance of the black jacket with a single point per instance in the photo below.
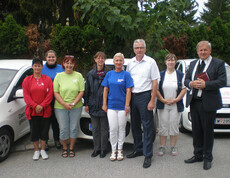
(93, 95)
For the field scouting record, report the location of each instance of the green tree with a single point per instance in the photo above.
(214, 9)
(12, 37)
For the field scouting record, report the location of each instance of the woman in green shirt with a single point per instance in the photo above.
(68, 90)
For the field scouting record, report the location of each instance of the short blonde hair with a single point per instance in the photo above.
(119, 55)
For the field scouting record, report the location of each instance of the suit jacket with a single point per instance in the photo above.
(211, 98)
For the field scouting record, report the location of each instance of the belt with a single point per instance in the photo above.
(140, 93)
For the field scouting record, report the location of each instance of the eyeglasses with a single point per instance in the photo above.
(139, 48)
(69, 56)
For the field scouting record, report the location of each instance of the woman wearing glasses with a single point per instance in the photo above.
(68, 90)
(93, 100)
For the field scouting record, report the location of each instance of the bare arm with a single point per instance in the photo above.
(151, 104)
(105, 97)
(127, 101)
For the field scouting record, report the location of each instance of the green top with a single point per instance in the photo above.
(68, 86)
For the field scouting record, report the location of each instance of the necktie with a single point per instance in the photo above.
(201, 67)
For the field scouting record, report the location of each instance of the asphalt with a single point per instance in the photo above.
(24, 143)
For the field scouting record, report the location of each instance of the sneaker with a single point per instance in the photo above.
(161, 151)
(36, 155)
(173, 151)
(44, 155)
(113, 156)
(120, 155)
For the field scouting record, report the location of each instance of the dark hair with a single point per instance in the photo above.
(37, 60)
(100, 53)
(68, 58)
(50, 51)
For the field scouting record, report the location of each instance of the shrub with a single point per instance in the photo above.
(12, 36)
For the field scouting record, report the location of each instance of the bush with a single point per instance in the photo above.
(12, 36)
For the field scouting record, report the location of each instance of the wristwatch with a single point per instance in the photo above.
(73, 104)
(127, 107)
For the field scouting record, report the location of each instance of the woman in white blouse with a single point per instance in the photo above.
(169, 104)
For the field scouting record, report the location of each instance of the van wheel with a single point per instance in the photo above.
(5, 144)
(181, 126)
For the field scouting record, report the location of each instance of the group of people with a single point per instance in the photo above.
(110, 95)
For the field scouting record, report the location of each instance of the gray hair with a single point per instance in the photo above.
(119, 55)
(139, 41)
(204, 42)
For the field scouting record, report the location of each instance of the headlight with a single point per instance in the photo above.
(226, 106)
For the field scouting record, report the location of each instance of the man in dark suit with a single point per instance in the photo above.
(204, 98)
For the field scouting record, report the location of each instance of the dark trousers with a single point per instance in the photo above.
(100, 129)
(39, 128)
(141, 115)
(54, 123)
(202, 130)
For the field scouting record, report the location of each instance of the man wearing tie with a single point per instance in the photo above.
(204, 98)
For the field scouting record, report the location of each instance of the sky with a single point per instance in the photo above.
(201, 6)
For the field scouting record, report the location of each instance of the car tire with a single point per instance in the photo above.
(181, 126)
(5, 144)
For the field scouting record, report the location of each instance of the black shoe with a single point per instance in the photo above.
(95, 153)
(207, 165)
(47, 147)
(58, 145)
(147, 162)
(103, 154)
(134, 154)
(193, 160)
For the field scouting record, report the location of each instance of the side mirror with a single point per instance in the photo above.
(18, 94)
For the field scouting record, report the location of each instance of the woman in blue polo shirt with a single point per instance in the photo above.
(116, 99)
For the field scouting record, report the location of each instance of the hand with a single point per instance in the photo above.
(151, 105)
(68, 106)
(127, 110)
(38, 109)
(87, 109)
(198, 84)
(104, 108)
(170, 101)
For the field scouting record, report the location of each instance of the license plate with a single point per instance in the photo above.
(90, 127)
(222, 121)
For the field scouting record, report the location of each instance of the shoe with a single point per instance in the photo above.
(64, 153)
(46, 147)
(120, 156)
(71, 153)
(193, 160)
(95, 153)
(58, 145)
(113, 156)
(134, 154)
(103, 154)
(161, 151)
(207, 165)
(173, 151)
(44, 155)
(147, 162)
(36, 155)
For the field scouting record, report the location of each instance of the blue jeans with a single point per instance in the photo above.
(68, 122)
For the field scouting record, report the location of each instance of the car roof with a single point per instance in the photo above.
(15, 64)
(109, 61)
